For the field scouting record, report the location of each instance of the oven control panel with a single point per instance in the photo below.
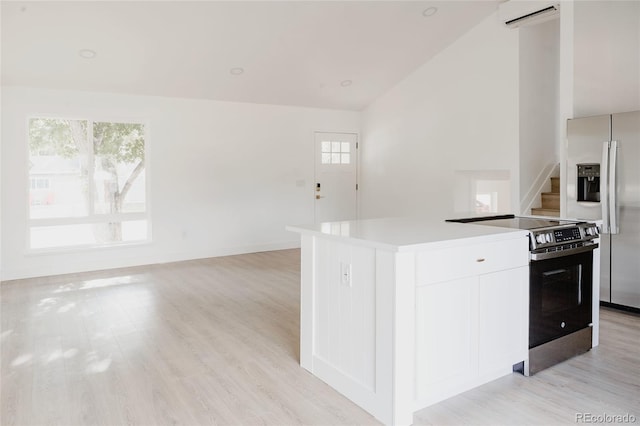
(555, 236)
(567, 234)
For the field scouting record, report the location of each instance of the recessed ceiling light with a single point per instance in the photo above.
(236, 70)
(87, 53)
(430, 11)
(345, 83)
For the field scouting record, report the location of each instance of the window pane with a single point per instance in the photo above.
(119, 167)
(63, 183)
(58, 168)
(87, 234)
(346, 147)
(335, 146)
(335, 158)
(326, 158)
(346, 158)
(326, 146)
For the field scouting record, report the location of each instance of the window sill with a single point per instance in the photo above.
(85, 248)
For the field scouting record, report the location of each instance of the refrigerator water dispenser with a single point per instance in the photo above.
(588, 182)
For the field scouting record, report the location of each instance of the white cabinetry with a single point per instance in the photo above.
(395, 325)
(472, 328)
(446, 338)
(503, 320)
(344, 312)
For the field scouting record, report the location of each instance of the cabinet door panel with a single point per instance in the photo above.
(446, 336)
(503, 319)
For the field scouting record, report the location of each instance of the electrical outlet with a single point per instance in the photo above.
(345, 273)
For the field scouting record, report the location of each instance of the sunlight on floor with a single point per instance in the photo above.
(22, 359)
(102, 282)
(106, 282)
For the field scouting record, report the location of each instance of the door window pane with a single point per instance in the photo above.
(336, 152)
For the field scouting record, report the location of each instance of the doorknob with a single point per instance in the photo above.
(318, 197)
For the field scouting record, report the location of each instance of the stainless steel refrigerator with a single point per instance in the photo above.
(603, 182)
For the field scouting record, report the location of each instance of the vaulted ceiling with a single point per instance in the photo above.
(328, 54)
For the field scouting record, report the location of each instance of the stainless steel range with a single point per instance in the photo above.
(560, 286)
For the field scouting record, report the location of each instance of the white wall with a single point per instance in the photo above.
(606, 57)
(456, 114)
(539, 109)
(224, 177)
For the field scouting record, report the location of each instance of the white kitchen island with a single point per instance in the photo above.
(398, 314)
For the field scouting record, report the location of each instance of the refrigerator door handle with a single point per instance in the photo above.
(604, 188)
(613, 202)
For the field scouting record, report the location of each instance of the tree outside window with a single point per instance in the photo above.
(96, 191)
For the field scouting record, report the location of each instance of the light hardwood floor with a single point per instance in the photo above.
(215, 341)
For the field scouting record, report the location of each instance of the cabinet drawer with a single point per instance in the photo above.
(475, 259)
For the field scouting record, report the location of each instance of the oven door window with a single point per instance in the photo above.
(560, 297)
(561, 289)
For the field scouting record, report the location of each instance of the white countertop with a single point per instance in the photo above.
(408, 234)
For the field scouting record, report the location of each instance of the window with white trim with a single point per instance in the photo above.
(87, 183)
(336, 152)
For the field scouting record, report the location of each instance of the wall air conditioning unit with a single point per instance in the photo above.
(517, 13)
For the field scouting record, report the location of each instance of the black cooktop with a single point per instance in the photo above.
(515, 222)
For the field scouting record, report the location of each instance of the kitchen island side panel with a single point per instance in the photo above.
(346, 331)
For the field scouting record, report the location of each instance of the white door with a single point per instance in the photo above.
(336, 176)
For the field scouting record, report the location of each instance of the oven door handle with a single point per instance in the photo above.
(561, 253)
